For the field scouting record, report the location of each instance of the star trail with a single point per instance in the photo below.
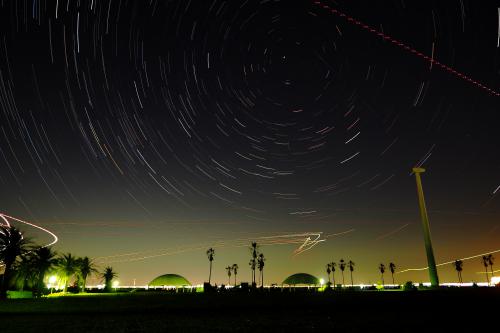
(143, 131)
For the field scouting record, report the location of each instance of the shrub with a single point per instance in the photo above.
(408, 286)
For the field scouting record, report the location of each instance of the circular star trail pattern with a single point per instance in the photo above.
(263, 109)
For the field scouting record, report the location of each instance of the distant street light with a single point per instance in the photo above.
(433, 275)
(495, 280)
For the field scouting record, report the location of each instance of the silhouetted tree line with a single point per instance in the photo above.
(28, 266)
(257, 262)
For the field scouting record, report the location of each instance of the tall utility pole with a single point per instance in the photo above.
(433, 275)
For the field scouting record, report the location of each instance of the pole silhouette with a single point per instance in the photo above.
(431, 262)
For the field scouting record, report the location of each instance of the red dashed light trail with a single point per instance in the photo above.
(408, 48)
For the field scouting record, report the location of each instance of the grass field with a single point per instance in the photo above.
(366, 311)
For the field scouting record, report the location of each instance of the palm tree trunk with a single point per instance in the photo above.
(492, 274)
(39, 286)
(333, 277)
(262, 279)
(487, 277)
(235, 279)
(5, 281)
(84, 282)
(383, 283)
(392, 278)
(343, 281)
(210, 274)
(352, 283)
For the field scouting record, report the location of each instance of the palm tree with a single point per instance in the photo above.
(255, 252)
(24, 273)
(253, 264)
(260, 263)
(210, 255)
(43, 261)
(381, 268)
(108, 275)
(85, 268)
(392, 267)
(229, 269)
(351, 268)
(486, 263)
(235, 271)
(332, 267)
(458, 264)
(12, 245)
(342, 265)
(328, 271)
(67, 267)
(491, 260)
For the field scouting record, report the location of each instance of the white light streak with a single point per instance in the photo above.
(448, 262)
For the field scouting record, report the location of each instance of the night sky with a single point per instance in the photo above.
(144, 132)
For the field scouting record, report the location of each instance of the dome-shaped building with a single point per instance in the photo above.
(301, 279)
(169, 280)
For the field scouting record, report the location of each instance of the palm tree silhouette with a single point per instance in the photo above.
(43, 260)
(342, 265)
(332, 267)
(12, 245)
(392, 267)
(260, 264)
(351, 268)
(381, 268)
(491, 260)
(85, 268)
(328, 271)
(228, 270)
(458, 264)
(486, 263)
(253, 262)
(24, 272)
(210, 255)
(108, 275)
(67, 267)
(235, 271)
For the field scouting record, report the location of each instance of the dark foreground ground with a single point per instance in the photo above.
(465, 310)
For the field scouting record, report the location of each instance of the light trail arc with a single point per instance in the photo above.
(448, 262)
(6, 218)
